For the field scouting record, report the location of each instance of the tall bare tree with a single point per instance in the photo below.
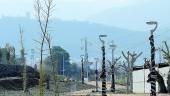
(43, 9)
(131, 59)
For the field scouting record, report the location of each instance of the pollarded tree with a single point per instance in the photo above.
(112, 65)
(131, 59)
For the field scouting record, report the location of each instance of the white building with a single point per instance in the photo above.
(140, 76)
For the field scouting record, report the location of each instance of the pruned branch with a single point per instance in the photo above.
(124, 66)
(110, 63)
(126, 57)
(139, 54)
(166, 52)
(116, 60)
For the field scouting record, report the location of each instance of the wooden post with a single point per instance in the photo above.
(96, 71)
(153, 71)
(82, 69)
(103, 74)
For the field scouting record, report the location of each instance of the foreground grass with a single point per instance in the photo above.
(64, 87)
(71, 89)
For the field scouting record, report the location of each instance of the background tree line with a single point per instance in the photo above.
(7, 55)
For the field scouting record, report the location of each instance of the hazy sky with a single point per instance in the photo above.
(108, 12)
(129, 14)
(66, 9)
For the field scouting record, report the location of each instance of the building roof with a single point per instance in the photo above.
(160, 65)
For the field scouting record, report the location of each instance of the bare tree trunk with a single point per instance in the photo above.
(113, 64)
(128, 79)
(82, 69)
(113, 80)
(131, 78)
(128, 83)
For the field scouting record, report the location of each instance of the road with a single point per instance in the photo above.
(89, 91)
(108, 84)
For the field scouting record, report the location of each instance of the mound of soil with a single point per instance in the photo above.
(11, 76)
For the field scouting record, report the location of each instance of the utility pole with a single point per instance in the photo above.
(113, 46)
(96, 71)
(86, 59)
(103, 74)
(22, 51)
(82, 68)
(153, 71)
(32, 57)
(86, 55)
(63, 63)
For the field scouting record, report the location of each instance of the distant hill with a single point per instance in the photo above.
(134, 17)
(68, 34)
